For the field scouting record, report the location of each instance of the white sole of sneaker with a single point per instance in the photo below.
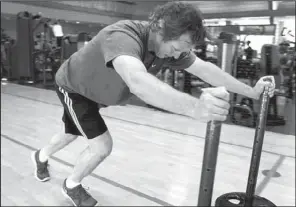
(35, 172)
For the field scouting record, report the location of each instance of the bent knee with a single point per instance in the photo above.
(101, 145)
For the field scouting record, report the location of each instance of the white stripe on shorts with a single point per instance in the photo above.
(68, 102)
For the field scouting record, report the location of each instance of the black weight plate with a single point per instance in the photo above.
(237, 199)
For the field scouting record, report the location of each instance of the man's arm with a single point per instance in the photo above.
(150, 89)
(213, 75)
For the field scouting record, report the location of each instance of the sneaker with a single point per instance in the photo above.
(41, 171)
(78, 195)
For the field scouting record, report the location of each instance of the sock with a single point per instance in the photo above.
(42, 157)
(71, 184)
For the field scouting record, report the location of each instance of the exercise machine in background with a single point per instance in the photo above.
(39, 51)
(72, 43)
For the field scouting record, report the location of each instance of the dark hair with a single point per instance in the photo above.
(179, 18)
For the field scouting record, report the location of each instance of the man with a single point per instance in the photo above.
(249, 51)
(58, 32)
(129, 53)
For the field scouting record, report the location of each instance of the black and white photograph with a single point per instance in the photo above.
(148, 103)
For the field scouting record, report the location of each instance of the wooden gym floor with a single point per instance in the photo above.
(156, 159)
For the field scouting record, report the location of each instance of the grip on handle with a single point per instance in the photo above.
(265, 91)
(267, 79)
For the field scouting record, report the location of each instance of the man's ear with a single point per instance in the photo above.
(160, 27)
(161, 23)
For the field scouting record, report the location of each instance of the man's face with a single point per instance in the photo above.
(172, 48)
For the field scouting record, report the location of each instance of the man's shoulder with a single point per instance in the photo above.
(133, 27)
(125, 31)
(129, 23)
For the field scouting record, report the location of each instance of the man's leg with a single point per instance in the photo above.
(40, 157)
(98, 149)
(84, 118)
(59, 141)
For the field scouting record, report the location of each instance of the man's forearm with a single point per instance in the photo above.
(221, 78)
(217, 77)
(159, 94)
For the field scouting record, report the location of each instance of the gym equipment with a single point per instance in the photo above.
(82, 39)
(246, 69)
(11, 60)
(14, 73)
(44, 60)
(24, 46)
(209, 164)
(25, 54)
(227, 44)
(213, 131)
(5, 59)
(69, 46)
(211, 153)
(227, 58)
(243, 113)
(72, 43)
(248, 198)
(270, 63)
(228, 199)
(270, 59)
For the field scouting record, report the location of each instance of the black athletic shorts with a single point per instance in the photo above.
(81, 115)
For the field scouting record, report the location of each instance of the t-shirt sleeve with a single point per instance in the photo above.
(116, 43)
(184, 61)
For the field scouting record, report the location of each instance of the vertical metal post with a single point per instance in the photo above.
(257, 149)
(212, 138)
(209, 163)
